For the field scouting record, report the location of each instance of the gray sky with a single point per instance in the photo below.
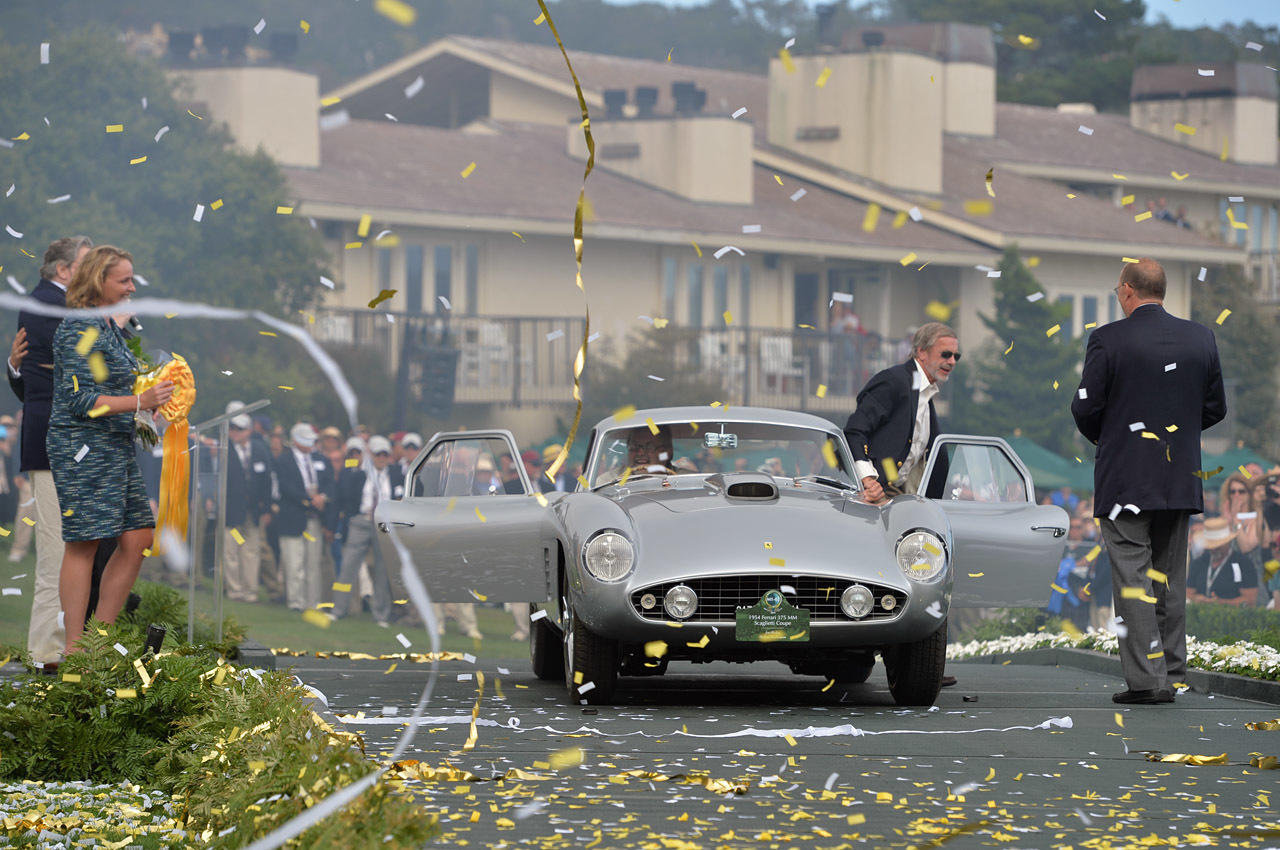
(1181, 13)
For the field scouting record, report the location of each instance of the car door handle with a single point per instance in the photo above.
(382, 526)
(1058, 531)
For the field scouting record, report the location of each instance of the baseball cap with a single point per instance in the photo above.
(355, 444)
(413, 439)
(303, 434)
(551, 452)
(530, 456)
(378, 444)
(241, 421)
(331, 431)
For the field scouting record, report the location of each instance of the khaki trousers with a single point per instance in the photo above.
(26, 510)
(241, 562)
(45, 637)
(463, 612)
(300, 562)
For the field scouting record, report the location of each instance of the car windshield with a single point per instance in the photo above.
(707, 446)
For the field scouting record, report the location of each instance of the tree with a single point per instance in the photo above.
(1249, 349)
(1011, 383)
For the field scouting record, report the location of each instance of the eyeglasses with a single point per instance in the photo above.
(950, 355)
(382, 454)
(1238, 491)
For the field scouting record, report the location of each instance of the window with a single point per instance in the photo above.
(472, 272)
(695, 295)
(444, 276)
(1071, 302)
(1088, 312)
(468, 467)
(384, 269)
(669, 287)
(413, 256)
(975, 473)
(719, 293)
(744, 294)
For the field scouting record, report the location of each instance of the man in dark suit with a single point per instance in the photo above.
(1151, 384)
(299, 471)
(894, 425)
(248, 506)
(35, 375)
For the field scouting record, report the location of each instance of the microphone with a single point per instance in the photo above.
(135, 325)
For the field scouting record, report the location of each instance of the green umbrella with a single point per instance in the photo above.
(1232, 460)
(1050, 471)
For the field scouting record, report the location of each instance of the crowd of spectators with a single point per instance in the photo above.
(1234, 550)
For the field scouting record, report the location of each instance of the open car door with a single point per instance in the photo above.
(471, 523)
(1007, 548)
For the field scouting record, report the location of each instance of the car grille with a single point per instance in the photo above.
(719, 597)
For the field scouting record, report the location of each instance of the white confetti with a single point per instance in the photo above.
(1169, 367)
(915, 214)
(444, 302)
(595, 336)
(842, 297)
(227, 372)
(381, 233)
(1082, 393)
(13, 591)
(404, 641)
(798, 194)
(537, 615)
(5, 143)
(1035, 296)
(259, 26)
(586, 686)
(790, 43)
(831, 780)
(554, 335)
(1235, 199)
(786, 588)
(739, 112)
(334, 120)
(391, 117)
(726, 249)
(1247, 515)
(120, 648)
(9, 191)
(44, 53)
(1252, 45)
(160, 133)
(1203, 271)
(15, 234)
(1088, 131)
(84, 450)
(1099, 14)
(324, 280)
(17, 287)
(1133, 509)
(140, 279)
(144, 103)
(464, 677)
(654, 378)
(199, 213)
(1205, 72)
(1137, 426)
(934, 610)
(993, 273)
(751, 228)
(414, 87)
(1115, 512)
(59, 199)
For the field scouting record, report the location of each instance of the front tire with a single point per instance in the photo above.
(915, 669)
(544, 650)
(588, 658)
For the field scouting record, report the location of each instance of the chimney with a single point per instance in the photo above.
(705, 158)
(888, 99)
(1227, 109)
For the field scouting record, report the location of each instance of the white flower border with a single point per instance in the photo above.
(1242, 658)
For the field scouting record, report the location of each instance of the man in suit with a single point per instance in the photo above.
(894, 426)
(299, 471)
(45, 638)
(248, 506)
(1151, 383)
(360, 490)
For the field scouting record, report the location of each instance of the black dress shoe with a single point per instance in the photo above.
(1164, 695)
(948, 681)
(1149, 696)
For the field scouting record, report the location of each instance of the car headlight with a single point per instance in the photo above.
(680, 602)
(921, 555)
(856, 601)
(608, 556)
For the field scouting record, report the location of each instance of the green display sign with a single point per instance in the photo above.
(773, 618)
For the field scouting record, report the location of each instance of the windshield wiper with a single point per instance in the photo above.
(823, 479)
(630, 478)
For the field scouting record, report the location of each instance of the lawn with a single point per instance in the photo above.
(276, 626)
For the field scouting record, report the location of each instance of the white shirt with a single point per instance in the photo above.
(307, 468)
(919, 435)
(374, 478)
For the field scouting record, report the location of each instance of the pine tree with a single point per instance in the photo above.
(1010, 386)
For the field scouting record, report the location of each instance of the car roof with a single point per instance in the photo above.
(673, 415)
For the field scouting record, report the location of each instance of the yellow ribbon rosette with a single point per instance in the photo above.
(175, 469)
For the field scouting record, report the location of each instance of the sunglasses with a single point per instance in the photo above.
(1237, 491)
(950, 355)
(382, 454)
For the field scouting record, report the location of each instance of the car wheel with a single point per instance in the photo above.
(915, 669)
(544, 650)
(588, 658)
(853, 674)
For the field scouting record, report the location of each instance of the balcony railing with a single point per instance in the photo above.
(529, 360)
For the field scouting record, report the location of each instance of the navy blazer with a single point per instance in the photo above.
(248, 490)
(884, 421)
(294, 506)
(1142, 376)
(37, 374)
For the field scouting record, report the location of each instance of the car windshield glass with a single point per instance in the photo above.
(707, 446)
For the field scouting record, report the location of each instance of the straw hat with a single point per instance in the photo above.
(1215, 533)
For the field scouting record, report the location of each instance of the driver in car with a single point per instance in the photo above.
(650, 452)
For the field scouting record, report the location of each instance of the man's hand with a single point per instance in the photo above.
(318, 500)
(18, 349)
(872, 490)
(264, 520)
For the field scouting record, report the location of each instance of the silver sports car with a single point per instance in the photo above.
(704, 534)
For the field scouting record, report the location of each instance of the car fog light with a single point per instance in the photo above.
(856, 601)
(681, 602)
(887, 602)
(648, 601)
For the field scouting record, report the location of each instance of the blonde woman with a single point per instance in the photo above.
(90, 442)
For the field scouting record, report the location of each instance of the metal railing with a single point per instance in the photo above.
(529, 360)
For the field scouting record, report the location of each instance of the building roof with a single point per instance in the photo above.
(1207, 79)
(523, 172)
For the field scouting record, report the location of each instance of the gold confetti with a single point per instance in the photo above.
(98, 366)
(283, 387)
(991, 176)
(821, 391)
(699, 644)
(22, 137)
(821, 82)
(777, 562)
(1179, 177)
(352, 462)
(308, 536)
(1183, 758)
(1053, 330)
(1206, 474)
(342, 587)
(1264, 763)
(1093, 553)
(696, 248)
(193, 115)
(138, 160)
(1126, 200)
(517, 235)
(284, 210)
(1010, 348)
(1119, 719)
(126, 693)
(872, 218)
(390, 669)
(1222, 317)
(908, 260)
(115, 128)
(1028, 41)
(29, 521)
(479, 515)
(938, 311)
(1264, 725)
(362, 229)
(351, 246)
(728, 317)
(890, 470)
(1142, 216)
(785, 56)
(976, 575)
(330, 101)
(382, 296)
(75, 383)
(466, 172)
(267, 333)
(1185, 129)
(396, 10)
(216, 205)
(87, 338)
(71, 677)
(900, 219)
(978, 208)
(316, 618)
(1246, 473)
(653, 428)
(306, 27)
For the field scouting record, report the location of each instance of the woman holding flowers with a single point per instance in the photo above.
(90, 442)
